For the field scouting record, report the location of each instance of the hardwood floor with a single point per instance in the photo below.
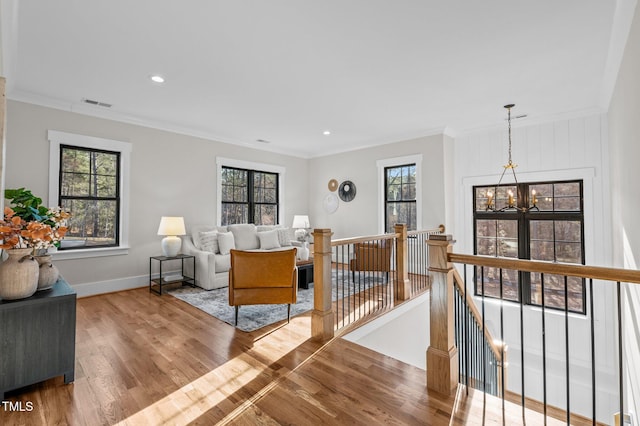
(142, 359)
(469, 411)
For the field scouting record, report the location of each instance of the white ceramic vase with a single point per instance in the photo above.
(18, 275)
(303, 252)
(48, 272)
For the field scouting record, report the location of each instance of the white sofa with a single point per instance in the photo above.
(211, 244)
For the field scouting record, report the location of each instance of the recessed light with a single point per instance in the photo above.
(157, 78)
(326, 132)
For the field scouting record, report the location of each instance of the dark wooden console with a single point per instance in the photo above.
(38, 337)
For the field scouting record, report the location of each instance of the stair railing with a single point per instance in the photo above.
(481, 358)
(356, 277)
(612, 279)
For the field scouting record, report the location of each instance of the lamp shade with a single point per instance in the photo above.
(301, 221)
(171, 225)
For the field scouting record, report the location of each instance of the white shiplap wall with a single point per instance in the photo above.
(575, 148)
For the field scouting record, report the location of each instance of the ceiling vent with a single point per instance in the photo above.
(262, 141)
(96, 103)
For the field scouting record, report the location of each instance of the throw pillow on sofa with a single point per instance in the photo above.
(284, 237)
(245, 236)
(226, 242)
(209, 241)
(268, 240)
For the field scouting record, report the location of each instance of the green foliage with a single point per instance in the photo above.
(27, 206)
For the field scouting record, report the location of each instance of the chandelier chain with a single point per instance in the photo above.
(508, 107)
(509, 120)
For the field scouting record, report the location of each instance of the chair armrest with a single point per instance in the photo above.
(205, 263)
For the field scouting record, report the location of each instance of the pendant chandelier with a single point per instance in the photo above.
(511, 201)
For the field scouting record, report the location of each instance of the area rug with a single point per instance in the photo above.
(253, 317)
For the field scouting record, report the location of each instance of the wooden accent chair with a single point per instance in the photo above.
(371, 256)
(263, 277)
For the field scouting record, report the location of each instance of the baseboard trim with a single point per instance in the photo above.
(118, 284)
(110, 286)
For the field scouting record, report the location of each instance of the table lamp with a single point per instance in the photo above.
(301, 226)
(171, 227)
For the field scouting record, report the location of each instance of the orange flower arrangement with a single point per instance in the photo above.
(18, 233)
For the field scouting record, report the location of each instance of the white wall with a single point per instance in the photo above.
(171, 174)
(361, 216)
(624, 135)
(386, 334)
(566, 149)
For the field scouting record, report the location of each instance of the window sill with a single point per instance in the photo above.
(87, 253)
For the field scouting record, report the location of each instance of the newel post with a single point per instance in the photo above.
(322, 326)
(442, 354)
(402, 285)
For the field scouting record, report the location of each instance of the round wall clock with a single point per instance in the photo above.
(330, 203)
(347, 191)
(333, 185)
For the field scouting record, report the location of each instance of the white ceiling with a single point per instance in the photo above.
(371, 71)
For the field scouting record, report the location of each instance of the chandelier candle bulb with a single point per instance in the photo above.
(533, 194)
(510, 199)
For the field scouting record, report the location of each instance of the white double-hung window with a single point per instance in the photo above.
(89, 177)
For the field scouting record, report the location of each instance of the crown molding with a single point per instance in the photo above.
(109, 114)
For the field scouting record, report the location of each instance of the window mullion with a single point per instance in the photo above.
(250, 197)
(554, 210)
(524, 241)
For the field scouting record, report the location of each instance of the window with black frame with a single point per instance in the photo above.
(400, 196)
(549, 228)
(249, 196)
(89, 185)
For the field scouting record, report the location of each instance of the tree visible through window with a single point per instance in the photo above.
(400, 196)
(90, 189)
(249, 196)
(550, 229)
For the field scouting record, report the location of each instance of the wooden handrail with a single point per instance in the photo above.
(459, 282)
(439, 229)
(354, 240)
(583, 271)
(389, 236)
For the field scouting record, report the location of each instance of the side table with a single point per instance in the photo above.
(305, 273)
(38, 337)
(164, 279)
